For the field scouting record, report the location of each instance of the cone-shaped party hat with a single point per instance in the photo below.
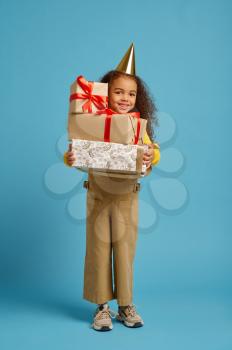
(127, 64)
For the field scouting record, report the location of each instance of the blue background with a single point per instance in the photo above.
(183, 269)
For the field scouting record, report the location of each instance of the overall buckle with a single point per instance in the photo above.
(86, 184)
(136, 187)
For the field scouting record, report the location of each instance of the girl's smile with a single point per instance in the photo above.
(122, 94)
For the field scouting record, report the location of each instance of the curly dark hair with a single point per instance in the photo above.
(144, 101)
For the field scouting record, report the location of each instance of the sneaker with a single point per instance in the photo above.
(129, 317)
(102, 318)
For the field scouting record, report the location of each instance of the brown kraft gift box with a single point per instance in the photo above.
(89, 126)
(87, 96)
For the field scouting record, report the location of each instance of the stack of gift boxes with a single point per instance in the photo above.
(103, 140)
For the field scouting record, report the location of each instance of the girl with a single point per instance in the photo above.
(112, 213)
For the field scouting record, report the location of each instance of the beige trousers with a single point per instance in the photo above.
(111, 235)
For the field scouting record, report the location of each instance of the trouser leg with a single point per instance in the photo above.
(98, 285)
(124, 237)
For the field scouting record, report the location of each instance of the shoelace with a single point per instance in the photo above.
(105, 313)
(131, 310)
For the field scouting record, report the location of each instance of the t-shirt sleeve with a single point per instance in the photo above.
(65, 160)
(156, 158)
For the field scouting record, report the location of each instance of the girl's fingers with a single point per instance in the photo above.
(149, 153)
(147, 158)
(147, 163)
(70, 154)
(71, 161)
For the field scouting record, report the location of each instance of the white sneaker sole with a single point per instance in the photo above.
(102, 328)
(129, 324)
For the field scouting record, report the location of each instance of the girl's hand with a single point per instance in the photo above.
(70, 156)
(149, 156)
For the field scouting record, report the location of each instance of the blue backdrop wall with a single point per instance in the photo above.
(183, 53)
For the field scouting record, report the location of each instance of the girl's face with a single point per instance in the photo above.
(122, 94)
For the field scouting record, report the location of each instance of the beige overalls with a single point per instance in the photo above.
(111, 227)
(111, 235)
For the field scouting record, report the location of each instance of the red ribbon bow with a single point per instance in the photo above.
(87, 86)
(109, 112)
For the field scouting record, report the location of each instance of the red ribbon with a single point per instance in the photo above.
(87, 86)
(109, 112)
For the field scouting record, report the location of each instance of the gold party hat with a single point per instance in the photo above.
(127, 64)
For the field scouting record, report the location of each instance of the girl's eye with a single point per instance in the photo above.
(132, 94)
(118, 92)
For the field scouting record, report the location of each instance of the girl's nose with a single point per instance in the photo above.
(125, 97)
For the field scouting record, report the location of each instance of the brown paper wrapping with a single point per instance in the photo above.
(92, 126)
(75, 106)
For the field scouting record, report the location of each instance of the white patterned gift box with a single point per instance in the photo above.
(112, 157)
